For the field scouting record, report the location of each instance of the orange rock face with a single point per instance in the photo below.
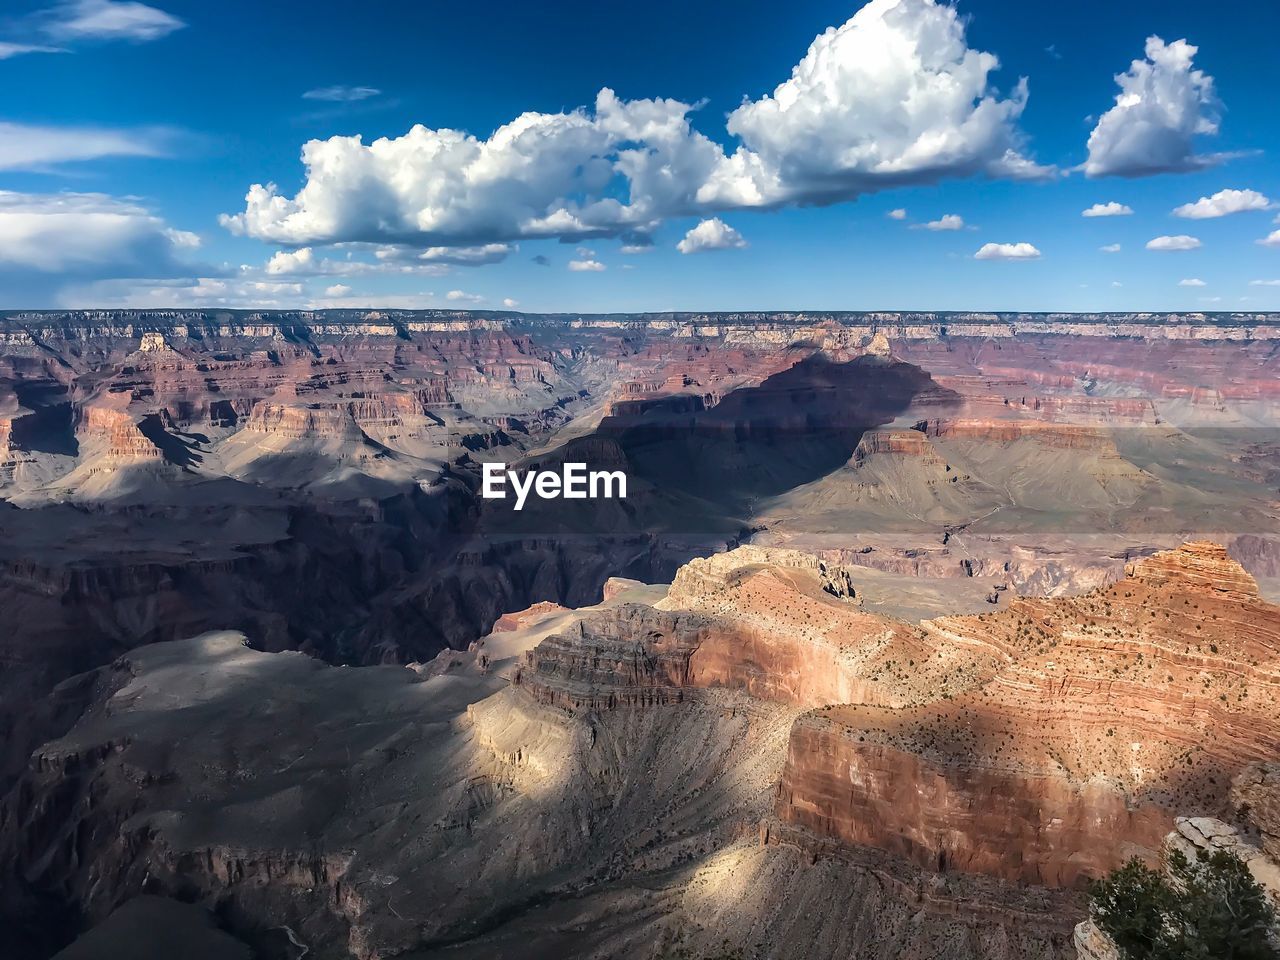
(1045, 743)
(909, 443)
(296, 422)
(1110, 713)
(118, 431)
(523, 618)
(1058, 435)
(777, 624)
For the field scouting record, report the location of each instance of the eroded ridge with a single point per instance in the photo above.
(1111, 713)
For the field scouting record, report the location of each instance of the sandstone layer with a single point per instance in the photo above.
(1107, 716)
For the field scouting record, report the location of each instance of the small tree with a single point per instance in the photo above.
(1133, 905)
(1209, 909)
(1224, 913)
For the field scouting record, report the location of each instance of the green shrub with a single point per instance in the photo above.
(1207, 909)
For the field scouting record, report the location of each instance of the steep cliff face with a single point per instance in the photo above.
(780, 625)
(298, 423)
(1111, 713)
(1056, 435)
(1255, 795)
(117, 435)
(905, 443)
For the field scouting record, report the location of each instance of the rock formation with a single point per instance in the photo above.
(1106, 716)
(930, 671)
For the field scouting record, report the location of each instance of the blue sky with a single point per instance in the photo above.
(131, 133)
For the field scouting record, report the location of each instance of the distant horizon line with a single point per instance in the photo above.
(486, 313)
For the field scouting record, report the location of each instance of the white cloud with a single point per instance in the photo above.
(1264, 283)
(87, 234)
(389, 259)
(1163, 104)
(337, 290)
(1111, 209)
(1116, 283)
(950, 221)
(898, 214)
(1272, 239)
(52, 243)
(110, 20)
(8, 50)
(586, 266)
(341, 94)
(1192, 282)
(1179, 242)
(634, 248)
(1007, 251)
(894, 96)
(303, 262)
(1222, 203)
(461, 296)
(509, 303)
(713, 234)
(453, 256)
(445, 187)
(1110, 248)
(33, 147)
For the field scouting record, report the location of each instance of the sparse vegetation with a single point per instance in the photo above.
(1207, 909)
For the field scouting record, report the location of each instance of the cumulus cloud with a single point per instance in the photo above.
(110, 20)
(1163, 104)
(713, 234)
(1264, 283)
(1179, 242)
(894, 96)
(1192, 282)
(302, 262)
(586, 266)
(1222, 203)
(341, 94)
(461, 296)
(510, 303)
(1111, 209)
(949, 221)
(898, 214)
(36, 147)
(1110, 248)
(337, 290)
(1272, 239)
(1007, 251)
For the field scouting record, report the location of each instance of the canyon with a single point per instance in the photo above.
(908, 625)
